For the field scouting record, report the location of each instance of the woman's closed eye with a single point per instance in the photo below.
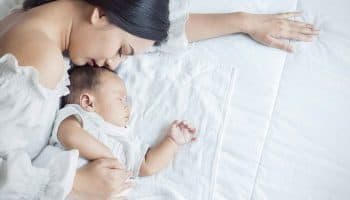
(120, 52)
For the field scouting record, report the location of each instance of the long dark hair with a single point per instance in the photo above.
(147, 19)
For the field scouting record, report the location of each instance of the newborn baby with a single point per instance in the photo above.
(94, 121)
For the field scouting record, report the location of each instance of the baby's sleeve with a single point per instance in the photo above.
(178, 16)
(64, 113)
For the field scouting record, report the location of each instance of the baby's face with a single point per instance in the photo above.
(111, 100)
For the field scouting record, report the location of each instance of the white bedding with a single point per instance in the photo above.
(288, 132)
(271, 125)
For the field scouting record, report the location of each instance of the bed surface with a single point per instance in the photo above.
(283, 131)
(287, 134)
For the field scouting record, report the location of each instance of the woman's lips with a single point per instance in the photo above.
(91, 62)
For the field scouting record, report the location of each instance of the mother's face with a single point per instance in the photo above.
(97, 42)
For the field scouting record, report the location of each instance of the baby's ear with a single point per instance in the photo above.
(87, 101)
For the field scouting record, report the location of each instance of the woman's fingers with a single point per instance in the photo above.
(297, 31)
(122, 175)
(303, 28)
(287, 15)
(126, 186)
(279, 44)
(301, 24)
(294, 35)
(271, 29)
(302, 37)
(111, 163)
(308, 31)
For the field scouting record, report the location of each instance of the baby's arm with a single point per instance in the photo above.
(159, 156)
(73, 136)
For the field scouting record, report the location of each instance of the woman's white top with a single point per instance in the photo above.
(125, 147)
(27, 111)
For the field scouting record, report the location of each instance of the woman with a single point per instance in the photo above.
(98, 32)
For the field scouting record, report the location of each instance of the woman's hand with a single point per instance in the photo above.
(100, 179)
(270, 29)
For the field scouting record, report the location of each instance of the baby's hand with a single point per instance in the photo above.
(181, 132)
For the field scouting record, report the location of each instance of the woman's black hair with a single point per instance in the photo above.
(148, 19)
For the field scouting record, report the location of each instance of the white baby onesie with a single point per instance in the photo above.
(128, 149)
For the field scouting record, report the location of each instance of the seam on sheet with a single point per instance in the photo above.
(267, 131)
(220, 133)
(269, 122)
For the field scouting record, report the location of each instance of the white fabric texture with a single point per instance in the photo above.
(287, 133)
(127, 149)
(177, 40)
(179, 88)
(27, 112)
(6, 6)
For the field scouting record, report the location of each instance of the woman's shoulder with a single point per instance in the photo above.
(35, 49)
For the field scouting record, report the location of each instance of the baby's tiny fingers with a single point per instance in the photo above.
(173, 125)
(188, 125)
(185, 124)
(193, 130)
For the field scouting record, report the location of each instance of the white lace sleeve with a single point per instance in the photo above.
(27, 112)
(62, 166)
(177, 39)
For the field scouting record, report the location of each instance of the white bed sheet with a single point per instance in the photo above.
(289, 130)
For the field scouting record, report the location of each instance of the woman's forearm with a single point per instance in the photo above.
(268, 29)
(205, 26)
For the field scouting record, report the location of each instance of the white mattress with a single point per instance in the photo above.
(271, 125)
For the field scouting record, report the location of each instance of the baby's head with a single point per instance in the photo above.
(100, 90)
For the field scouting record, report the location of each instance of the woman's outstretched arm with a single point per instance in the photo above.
(268, 29)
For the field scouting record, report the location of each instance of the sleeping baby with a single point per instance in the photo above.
(94, 121)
